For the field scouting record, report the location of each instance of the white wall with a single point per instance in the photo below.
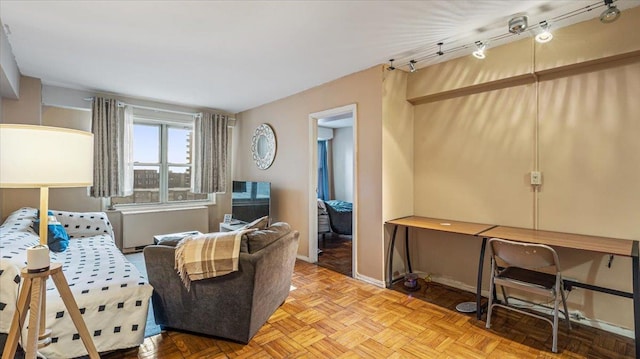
(342, 145)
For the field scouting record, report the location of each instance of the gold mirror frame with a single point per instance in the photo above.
(263, 146)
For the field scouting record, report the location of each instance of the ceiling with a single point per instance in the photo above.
(237, 55)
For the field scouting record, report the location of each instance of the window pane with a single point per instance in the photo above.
(146, 143)
(146, 186)
(179, 145)
(180, 185)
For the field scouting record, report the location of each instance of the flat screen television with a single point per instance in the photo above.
(250, 200)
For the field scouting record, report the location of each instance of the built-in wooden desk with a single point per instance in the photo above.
(622, 247)
(443, 225)
(612, 246)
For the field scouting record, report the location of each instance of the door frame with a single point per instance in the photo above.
(313, 181)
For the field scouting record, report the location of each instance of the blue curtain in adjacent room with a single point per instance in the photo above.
(323, 171)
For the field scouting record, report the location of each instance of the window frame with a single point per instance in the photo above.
(163, 165)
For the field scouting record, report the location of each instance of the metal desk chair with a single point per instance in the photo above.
(533, 268)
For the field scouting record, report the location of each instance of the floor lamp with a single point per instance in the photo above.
(43, 157)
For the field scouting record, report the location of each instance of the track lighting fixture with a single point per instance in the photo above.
(479, 53)
(611, 14)
(518, 24)
(412, 66)
(545, 34)
(391, 67)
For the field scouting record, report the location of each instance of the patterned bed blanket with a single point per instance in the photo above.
(112, 295)
(340, 216)
(340, 206)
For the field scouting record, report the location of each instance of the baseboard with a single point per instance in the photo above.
(454, 283)
(577, 317)
(364, 278)
(377, 283)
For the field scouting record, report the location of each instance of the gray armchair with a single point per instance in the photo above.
(234, 306)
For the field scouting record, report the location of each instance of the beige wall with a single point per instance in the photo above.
(476, 142)
(397, 157)
(590, 152)
(472, 157)
(27, 109)
(289, 173)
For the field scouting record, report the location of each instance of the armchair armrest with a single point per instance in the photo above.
(85, 224)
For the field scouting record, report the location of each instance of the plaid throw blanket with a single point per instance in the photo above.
(208, 255)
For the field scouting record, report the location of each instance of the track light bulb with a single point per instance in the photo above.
(545, 35)
(479, 53)
(412, 66)
(611, 14)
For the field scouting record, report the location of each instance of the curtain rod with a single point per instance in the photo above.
(122, 104)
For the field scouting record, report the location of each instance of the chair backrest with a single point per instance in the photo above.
(524, 255)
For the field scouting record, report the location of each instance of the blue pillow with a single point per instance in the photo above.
(57, 237)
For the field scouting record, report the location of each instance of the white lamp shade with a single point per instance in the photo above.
(41, 156)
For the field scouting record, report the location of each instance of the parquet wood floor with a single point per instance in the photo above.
(333, 316)
(336, 253)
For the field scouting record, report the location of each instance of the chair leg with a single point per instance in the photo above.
(504, 295)
(566, 311)
(489, 307)
(556, 303)
(491, 290)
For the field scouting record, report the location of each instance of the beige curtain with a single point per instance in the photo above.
(210, 154)
(112, 135)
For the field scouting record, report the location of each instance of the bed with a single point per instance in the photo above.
(112, 295)
(340, 216)
(323, 218)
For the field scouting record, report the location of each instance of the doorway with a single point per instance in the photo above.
(332, 207)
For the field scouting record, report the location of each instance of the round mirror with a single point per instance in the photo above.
(263, 146)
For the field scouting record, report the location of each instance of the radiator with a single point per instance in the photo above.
(139, 226)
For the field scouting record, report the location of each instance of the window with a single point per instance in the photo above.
(162, 163)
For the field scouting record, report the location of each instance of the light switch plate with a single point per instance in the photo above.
(536, 178)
